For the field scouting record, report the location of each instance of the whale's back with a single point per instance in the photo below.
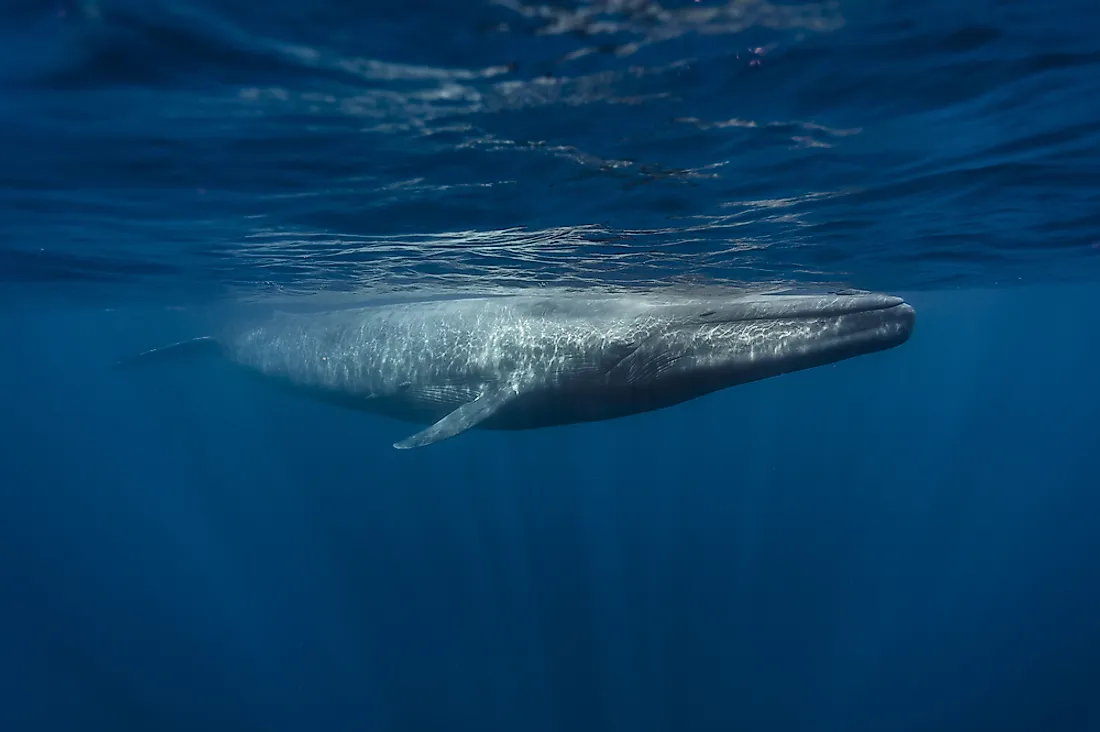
(381, 351)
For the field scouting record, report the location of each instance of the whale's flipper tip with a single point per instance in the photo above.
(468, 415)
(196, 347)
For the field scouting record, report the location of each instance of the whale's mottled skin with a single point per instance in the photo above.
(527, 361)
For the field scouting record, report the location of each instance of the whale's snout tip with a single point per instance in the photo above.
(906, 313)
(902, 317)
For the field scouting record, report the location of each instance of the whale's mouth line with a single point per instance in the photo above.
(898, 306)
(880, 306)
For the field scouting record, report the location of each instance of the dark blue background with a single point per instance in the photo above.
(905, 541)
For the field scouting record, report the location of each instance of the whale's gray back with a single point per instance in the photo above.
(445, 351)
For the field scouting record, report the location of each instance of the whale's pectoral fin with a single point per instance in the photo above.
(196, 347)
(468, 415)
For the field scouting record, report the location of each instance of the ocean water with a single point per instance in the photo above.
(903, 541)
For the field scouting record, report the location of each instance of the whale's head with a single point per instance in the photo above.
(718, 343)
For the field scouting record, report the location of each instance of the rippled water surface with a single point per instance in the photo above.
(169, 150)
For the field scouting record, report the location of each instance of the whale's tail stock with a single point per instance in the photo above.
(203, 347)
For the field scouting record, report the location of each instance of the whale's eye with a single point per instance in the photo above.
(706, 313)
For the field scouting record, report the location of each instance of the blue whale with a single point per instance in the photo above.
(525, 362)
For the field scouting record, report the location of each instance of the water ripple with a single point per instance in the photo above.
(224, 149)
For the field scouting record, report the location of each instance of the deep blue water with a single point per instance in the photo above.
(903, 541)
